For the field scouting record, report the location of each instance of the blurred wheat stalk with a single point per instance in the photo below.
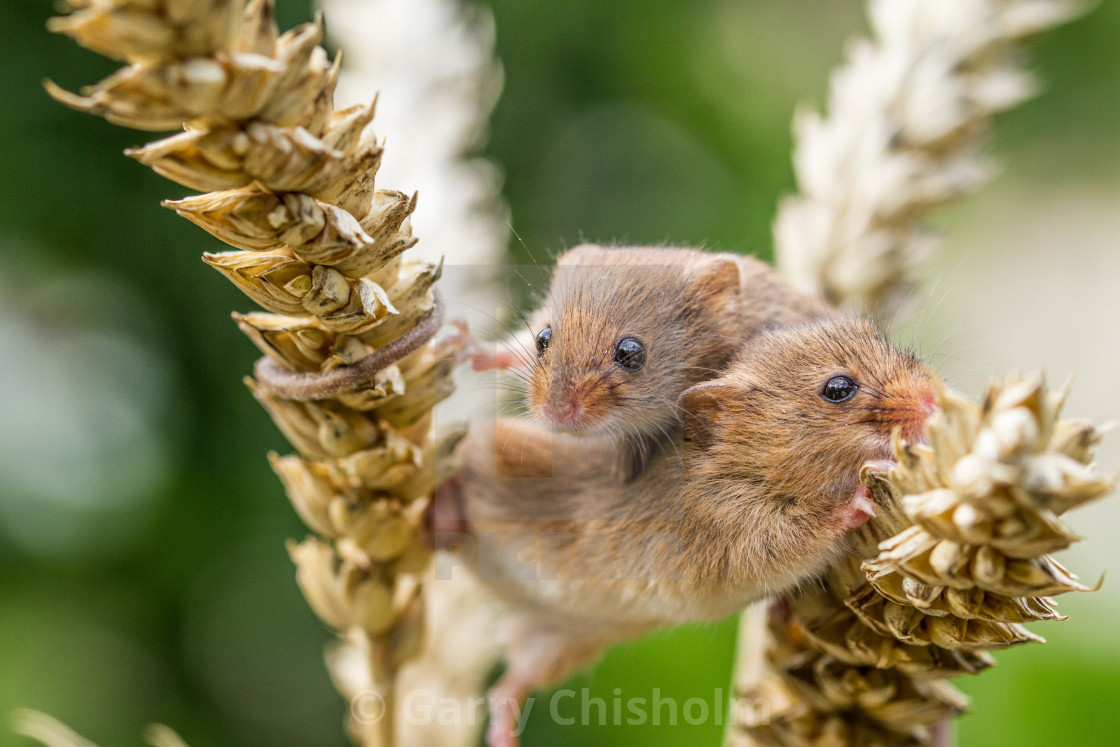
(52, 732)
(349, 375)
(904, 135)
(959, 556)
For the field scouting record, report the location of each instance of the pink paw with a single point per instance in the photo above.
(463, 343)
(857, 510)
(467, 347)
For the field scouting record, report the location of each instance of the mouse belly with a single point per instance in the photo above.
(629, 587)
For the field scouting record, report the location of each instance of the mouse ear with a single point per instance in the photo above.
(702, 406)
(717, 277)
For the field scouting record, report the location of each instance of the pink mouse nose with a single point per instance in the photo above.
(565, 411)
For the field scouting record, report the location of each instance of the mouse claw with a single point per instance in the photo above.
(875, 471)
(879, 465)
(462, 329)
(462, 342)
(858, 510)
(467, 347)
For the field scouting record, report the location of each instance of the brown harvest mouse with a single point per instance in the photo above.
(624, 330)
(762, 499)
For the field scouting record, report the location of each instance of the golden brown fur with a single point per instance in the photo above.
(756, 498)
(776, 456)
(690, 309)
(761, 500)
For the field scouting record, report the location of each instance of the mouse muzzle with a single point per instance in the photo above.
(908, 402)
(575, 404)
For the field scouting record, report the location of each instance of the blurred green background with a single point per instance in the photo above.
(143, 575)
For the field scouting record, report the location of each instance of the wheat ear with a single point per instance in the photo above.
(904, 134)
(958, 559)
(959, 554)
(350, 374)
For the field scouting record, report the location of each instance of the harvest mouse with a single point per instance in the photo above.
(795, 417)
(624, 330)
(767, 488)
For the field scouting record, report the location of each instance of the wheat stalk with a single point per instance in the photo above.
(433, 63)
(959, 556)
(350, 374)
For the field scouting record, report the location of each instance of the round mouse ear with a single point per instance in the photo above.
(716, 277)
(701, 408)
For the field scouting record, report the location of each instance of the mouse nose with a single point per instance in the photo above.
(927, 404)
(575, 403)
(565, 411)
(907, 403)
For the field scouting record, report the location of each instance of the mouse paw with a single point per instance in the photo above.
(503, 360)
(463, 344)
(857, 510)
(467, 347)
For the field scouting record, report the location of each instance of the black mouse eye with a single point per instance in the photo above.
(630, 354)
(543, 338)
(839, 389)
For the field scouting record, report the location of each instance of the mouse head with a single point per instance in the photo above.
(623, 332)
(774, 446)
(804, 408)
